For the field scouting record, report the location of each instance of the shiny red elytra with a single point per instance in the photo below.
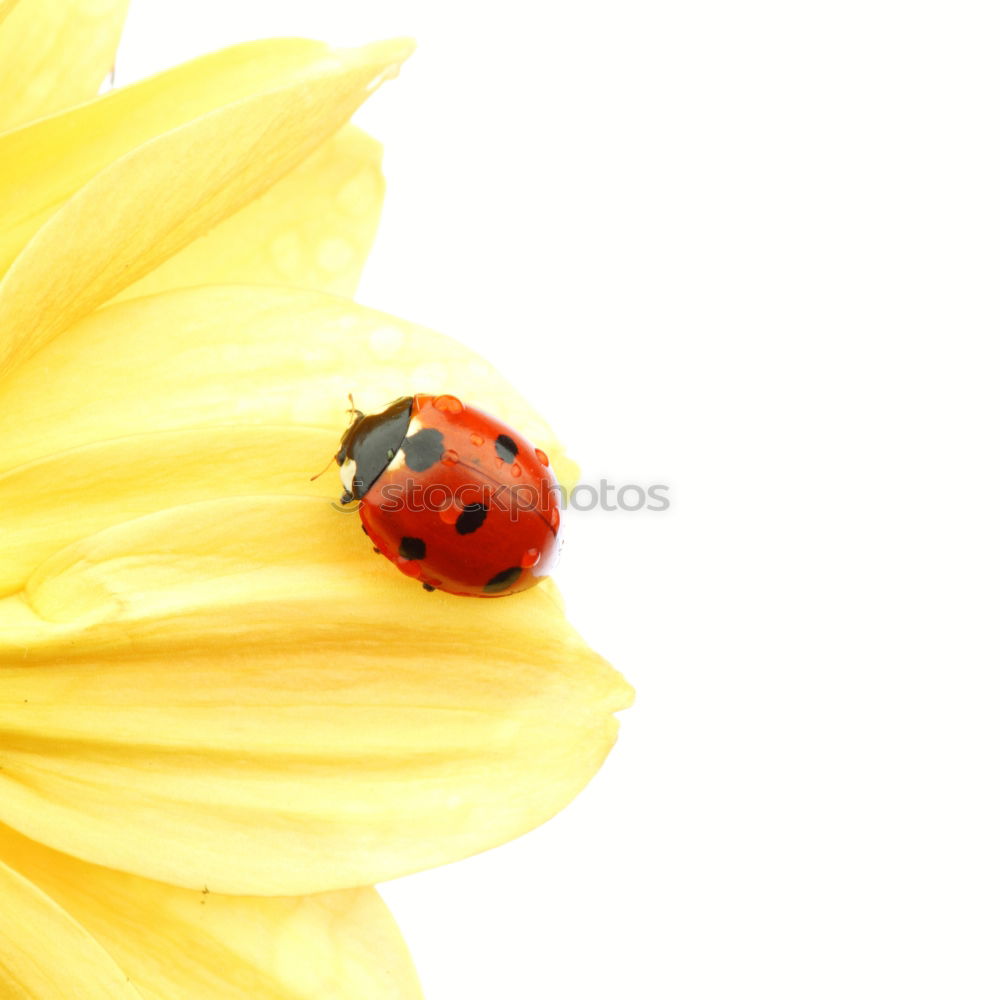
(452, 496)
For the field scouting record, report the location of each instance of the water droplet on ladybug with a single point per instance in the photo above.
(448, 404)
(451, 513)
(476, 439)
(515, 470)
(450, 457)
(541, 456)
(530, 558)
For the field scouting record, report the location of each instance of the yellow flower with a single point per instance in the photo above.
(213, 699)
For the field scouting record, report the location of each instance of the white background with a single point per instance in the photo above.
(749, 250)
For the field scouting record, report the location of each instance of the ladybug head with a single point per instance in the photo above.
(369, 445)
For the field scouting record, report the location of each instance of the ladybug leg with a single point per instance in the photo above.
(429, 588)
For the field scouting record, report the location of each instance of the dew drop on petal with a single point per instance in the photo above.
(37, 88)
(335, 254)
(430, 377)
(481, 370)
(359, 194)
(385, 341)
(286, 252)
(389, 73)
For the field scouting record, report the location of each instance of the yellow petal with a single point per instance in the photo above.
(67, 496)
(219, 356)
(313, 229)
(45, 953)
(54, 53)
(209, 392)
(183, 943)
(152, 202)
(43, 164)
(239, 694)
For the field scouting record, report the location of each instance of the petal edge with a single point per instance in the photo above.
(232, 672)
(33, 930)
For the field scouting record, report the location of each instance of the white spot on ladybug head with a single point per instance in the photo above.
(347, 471)
(385, 341)
(397, 462)
(432, 376)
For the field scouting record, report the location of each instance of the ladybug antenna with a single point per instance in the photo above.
(326, 469)
(355, 415)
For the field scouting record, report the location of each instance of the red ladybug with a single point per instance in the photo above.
(452, 496)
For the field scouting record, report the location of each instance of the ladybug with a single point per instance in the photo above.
(451, 496)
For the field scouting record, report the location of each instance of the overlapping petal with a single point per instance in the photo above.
(150, 203)
(45, 953)
(174, 942)
(62, 498)
(54, 53)
(313, 229)
(244, 391)
(238, 679)
(44, 163)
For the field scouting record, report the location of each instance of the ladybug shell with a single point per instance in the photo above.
(466, 504)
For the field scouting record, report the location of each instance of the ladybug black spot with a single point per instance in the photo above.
(504, 579)
(412, 548)
(423, 449)
(506, 448)
(471, 518)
